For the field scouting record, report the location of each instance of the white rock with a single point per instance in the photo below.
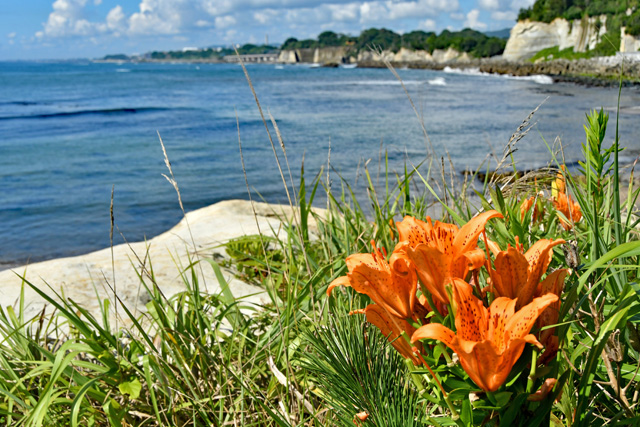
(288, 57)
(447, 55)
(529, 37)
(80, 277)
(406, 55)
(629, 43)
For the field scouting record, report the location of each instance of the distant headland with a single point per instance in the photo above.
(584, 44)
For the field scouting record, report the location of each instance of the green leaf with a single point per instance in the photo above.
(628, 249)
(132, 388)
(500, 399)
(115, 412)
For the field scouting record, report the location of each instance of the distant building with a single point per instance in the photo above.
(190, 49)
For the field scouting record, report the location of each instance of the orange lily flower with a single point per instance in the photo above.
(559, 185)
(442, 252)
(563, 202)
(526, 206)
(546, 387)
(518, 275)
(488, 342)
(392, 286)
(570, 209)
(392, 328)
(553, 283)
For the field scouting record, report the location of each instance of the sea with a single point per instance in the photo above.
(71, 132)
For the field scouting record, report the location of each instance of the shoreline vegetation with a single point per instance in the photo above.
(517, 307)
(381, 349)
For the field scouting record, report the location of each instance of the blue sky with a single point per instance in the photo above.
(49, 29)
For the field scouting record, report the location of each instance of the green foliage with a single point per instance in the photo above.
(555, 53)
(632, 23)
(357, 371)
(209, 359)
(467, 40)
(210, 53)
(325, 39)
(610, 43)
(548, 10)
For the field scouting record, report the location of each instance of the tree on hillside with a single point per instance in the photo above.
(467, 40)
(548, 10)
(328, 38)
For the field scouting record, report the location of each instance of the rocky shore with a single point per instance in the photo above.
(593, 72)
(91, 278)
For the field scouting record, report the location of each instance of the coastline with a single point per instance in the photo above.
(598, 71)
(602, 71)
(200, 235)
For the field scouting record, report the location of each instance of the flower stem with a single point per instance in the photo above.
(454, 413)
(532, 373)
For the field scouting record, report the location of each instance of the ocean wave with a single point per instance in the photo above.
(381, 82)
(538, 78)
(22, 103)
(123, 70)
(438, 81)
(106, 111)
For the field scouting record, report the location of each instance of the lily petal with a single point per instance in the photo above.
(370, 274)
(467, 237)
(392, 328)
(467, 261)
(414, 231)
(480, 363)
(436, 331)
(539, 257)
(444, 236)
(471, 315)
(553, 283)
(519, 325)
(493, 247)
(512, 268)
(500, 311)
(432, 267)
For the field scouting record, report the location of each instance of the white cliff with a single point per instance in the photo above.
(629, 43)
(529, 37)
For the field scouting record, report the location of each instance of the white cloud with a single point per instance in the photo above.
(419, 8)
(237, 20)
(504, 16)
(345, 13)
(225, 21)
(116, 21)
(428, 25)
(265, 16)
(158, 17)
(489, 4)
(372, 12)
(473, 22)
(66, 18)
(519, 4)
(12, 35)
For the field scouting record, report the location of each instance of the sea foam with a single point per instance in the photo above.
(538, 78)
